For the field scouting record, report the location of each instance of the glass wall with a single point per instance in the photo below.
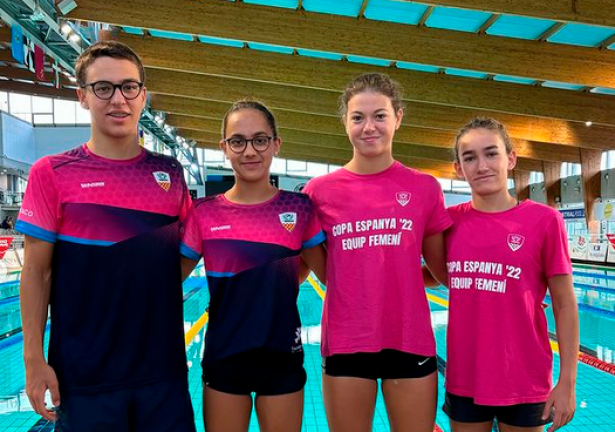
(44, 111)
(536, 177)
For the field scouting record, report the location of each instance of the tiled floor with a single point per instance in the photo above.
(595, 403)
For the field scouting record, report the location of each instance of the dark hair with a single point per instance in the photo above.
(106, 48)
(483, 123)
(251, 104)
(374, 82)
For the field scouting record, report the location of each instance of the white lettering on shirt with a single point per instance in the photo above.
(92, 185)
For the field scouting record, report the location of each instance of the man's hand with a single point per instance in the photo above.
(41, 377)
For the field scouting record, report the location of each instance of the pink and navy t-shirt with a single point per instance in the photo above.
(375, 226)
(116, 297)
(498, 349)
(251, 255)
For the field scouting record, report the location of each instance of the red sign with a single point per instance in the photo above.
(39, 63)
(5, 244)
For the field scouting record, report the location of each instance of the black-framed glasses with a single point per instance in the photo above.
(239, 144)
(105, 90)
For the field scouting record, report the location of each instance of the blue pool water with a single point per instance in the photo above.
(594, 287)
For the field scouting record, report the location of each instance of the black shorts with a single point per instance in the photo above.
(386, 364)
(464, 410)
(259, 371)
(160, 407)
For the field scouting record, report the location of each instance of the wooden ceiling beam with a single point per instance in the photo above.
(286, 97)
(595, 12)
(6, 56)
(27, 74)
(5, 34)
(346, 35)
(422, 87)
(417, 114)
(411, 141)
(437, 170)
(37, 90)
(338, 147)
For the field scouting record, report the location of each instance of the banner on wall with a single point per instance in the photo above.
(5, 244)
(610, 257)
(573, 213)
(577, 245)
(597, 252)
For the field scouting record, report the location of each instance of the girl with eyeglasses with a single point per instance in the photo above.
(252, 239)
(502, 255)
(379, 217)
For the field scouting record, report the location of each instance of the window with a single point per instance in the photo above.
(536, 177)
(4, 101)
(83, 115)
(64, 112)
(296, 166)
(21, 106)
(608, 160)
(570, 169)
(42, 105)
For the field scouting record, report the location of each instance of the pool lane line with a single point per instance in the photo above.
(598, 288)
(593, 275)
(316, 287)
(594, 266)
(583, 357)
(198, 325)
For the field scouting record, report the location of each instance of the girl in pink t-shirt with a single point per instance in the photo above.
(379, 218)
(502, 255)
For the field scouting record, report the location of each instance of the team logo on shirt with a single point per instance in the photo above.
(515, 241)
(163, 179)
(288, 220)
(403, 198)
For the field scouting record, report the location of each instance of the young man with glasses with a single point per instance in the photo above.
(102, 226)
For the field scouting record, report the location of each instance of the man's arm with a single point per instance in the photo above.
(316, 259)
(187, 266)
(34, 297)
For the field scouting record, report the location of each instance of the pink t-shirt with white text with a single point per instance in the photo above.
(375, 226)
(497, 344)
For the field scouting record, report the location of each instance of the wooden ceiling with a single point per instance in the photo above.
(195, 83)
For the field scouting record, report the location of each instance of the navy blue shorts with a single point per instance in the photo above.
(386, 364)
(259, 371)
(160, 407)
(464, 410)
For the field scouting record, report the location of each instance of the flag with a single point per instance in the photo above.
(39, 63)
(29, 54)
(17, 43)
(57, 76)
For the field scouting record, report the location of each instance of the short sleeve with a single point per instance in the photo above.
(40, 213)
(439, 219)
(191, 245)
(313, 234)
(555, 256)
(309, 189)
